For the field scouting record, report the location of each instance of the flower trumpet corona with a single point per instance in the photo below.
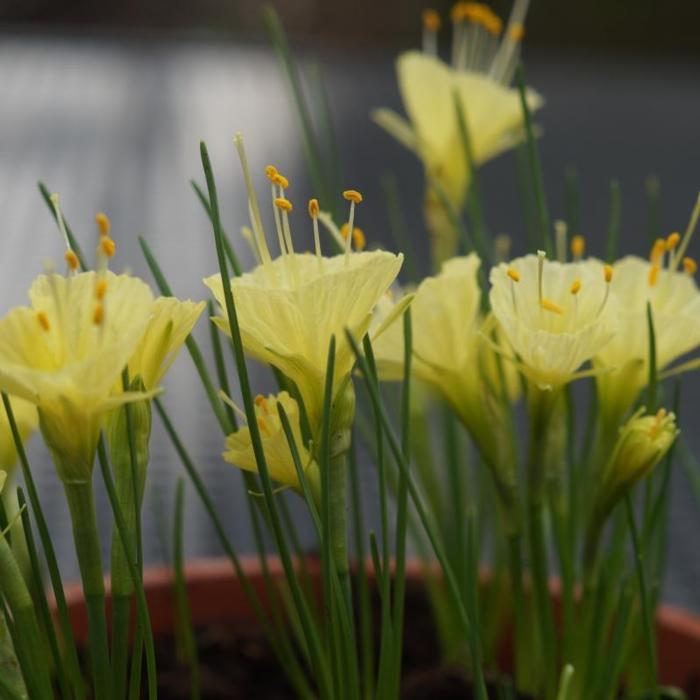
(452, 357)
(289, 307)
(65, 352)
(556, 316)
(479, 76)
(278, 455)
(664, 282)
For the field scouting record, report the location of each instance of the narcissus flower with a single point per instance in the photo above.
(26, 419)
(65, 352)
(239, 448)
(171, 322)
(450, 355)
(480, 73)
(556, 316)
(675, 305)
(288, 308)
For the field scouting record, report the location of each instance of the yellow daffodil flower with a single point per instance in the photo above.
(288, 308)
(239, 448)
(480, 74)
(451, 356)
(675, 305)
(26, 419)
(556, 316)
(171, 322)
(66, 350)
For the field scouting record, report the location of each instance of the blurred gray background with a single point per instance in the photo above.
(106, 104)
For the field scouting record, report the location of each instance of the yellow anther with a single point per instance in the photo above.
(358, 236)
(98, 314)
(474, 11)
(673, 240)
(100, 289)
(270, 172)
(492, 22)
(103, 224)
(516, 32)
(549, 305)
(283, 203)
(262, 424)
(607, 273)
(657, 250)
(280, 180)
(72, 260)
(459, 11)
(108, 246)
(313, 208)
(690, 266)
(352, 196)
(43, 320)
(513, 274)
(653, 275)
(575, 287)
(431, 20)
(578, 246)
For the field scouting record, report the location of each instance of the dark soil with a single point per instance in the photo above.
(237, 663)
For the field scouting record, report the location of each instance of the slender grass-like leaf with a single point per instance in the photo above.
(50, 555)
(428, 525)
(545, 239)
(43, 612)
(566, 688)
(312, 637)
(614, 213)
(75, 246)
(184, 615)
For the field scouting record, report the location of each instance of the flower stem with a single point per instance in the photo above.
(516, 577)
(87, 546)
(338, 484)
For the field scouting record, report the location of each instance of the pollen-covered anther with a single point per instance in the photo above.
(107, 246)
(513, 274)
(653, 275)
(549, 305)
(358, 236)
(673, 240)
(460, 11)
(104, 225)
(270, 172)
(516, 32)
(100, 289)
(578, 246)
(690, 266)
(431, 20)
(657, 250)
(607, 273)
(352, 196)
(314, 209)
(491, 22)
(575, 287)
(283, 203)
(72, 260)
(43, 320)
(280, 180)
(98, 314)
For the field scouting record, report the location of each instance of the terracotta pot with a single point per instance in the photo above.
(216, 595)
